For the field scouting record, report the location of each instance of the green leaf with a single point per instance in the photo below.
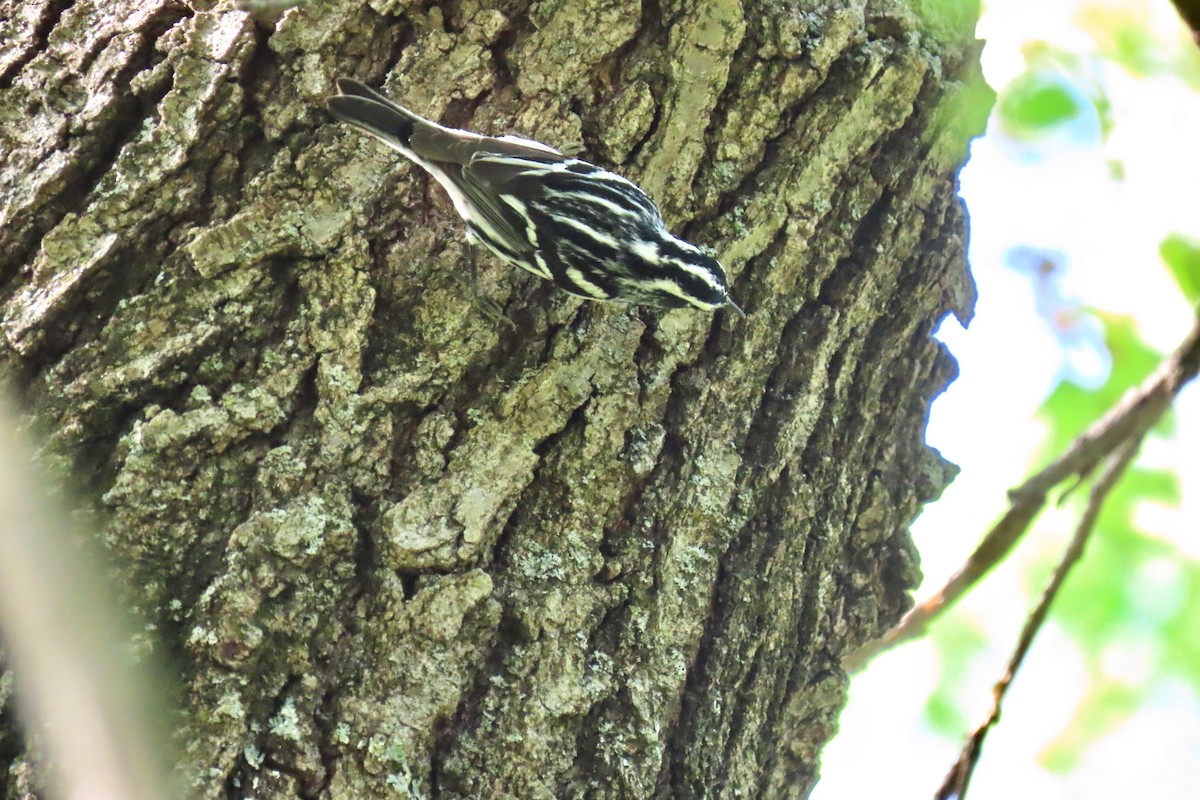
(1132, 590)
(1037, 102)
(958, 642)
(1104, 708)
(1071, 409)
(1099, 599)
(1180, 635)
(1135, 49)
(1182, 257)
(1123, 33)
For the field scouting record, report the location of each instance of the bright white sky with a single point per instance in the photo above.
(1063, 199)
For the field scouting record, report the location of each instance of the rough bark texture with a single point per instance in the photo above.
(396, 549)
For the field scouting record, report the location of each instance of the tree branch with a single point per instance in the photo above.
(1126, 422)
(955, 785)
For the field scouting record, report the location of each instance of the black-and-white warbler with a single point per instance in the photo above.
(588, 230)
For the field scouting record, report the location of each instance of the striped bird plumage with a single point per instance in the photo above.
(590, 231)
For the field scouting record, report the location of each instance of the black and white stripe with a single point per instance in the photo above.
(590, 231)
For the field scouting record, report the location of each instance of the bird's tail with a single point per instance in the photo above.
(372, 113)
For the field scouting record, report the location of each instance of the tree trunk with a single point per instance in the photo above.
(395, 548)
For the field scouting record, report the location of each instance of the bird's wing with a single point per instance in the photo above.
(428, 139)
(462, 147)
(504, 226)
(474, 169)
(501, 171)
(349, 86)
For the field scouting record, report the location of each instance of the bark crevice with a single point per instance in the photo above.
(396, 547)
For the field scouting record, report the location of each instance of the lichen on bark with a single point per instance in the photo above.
(395, 548)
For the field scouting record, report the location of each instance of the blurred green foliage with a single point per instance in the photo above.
(1132, 596)
(1123, 34)
(956, 636)
(945, 19)
(1107, 705)
(1057, 93)
(1071, 409)
(1038, 101)
(1131, 603)
(1182, 257)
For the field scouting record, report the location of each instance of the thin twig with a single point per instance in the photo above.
(1127, 421)
(955, 785)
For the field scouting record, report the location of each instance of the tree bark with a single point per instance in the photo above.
(393, 548)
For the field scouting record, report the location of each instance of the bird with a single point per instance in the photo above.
(586, 229)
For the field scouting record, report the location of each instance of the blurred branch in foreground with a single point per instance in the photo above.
(86, 704)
